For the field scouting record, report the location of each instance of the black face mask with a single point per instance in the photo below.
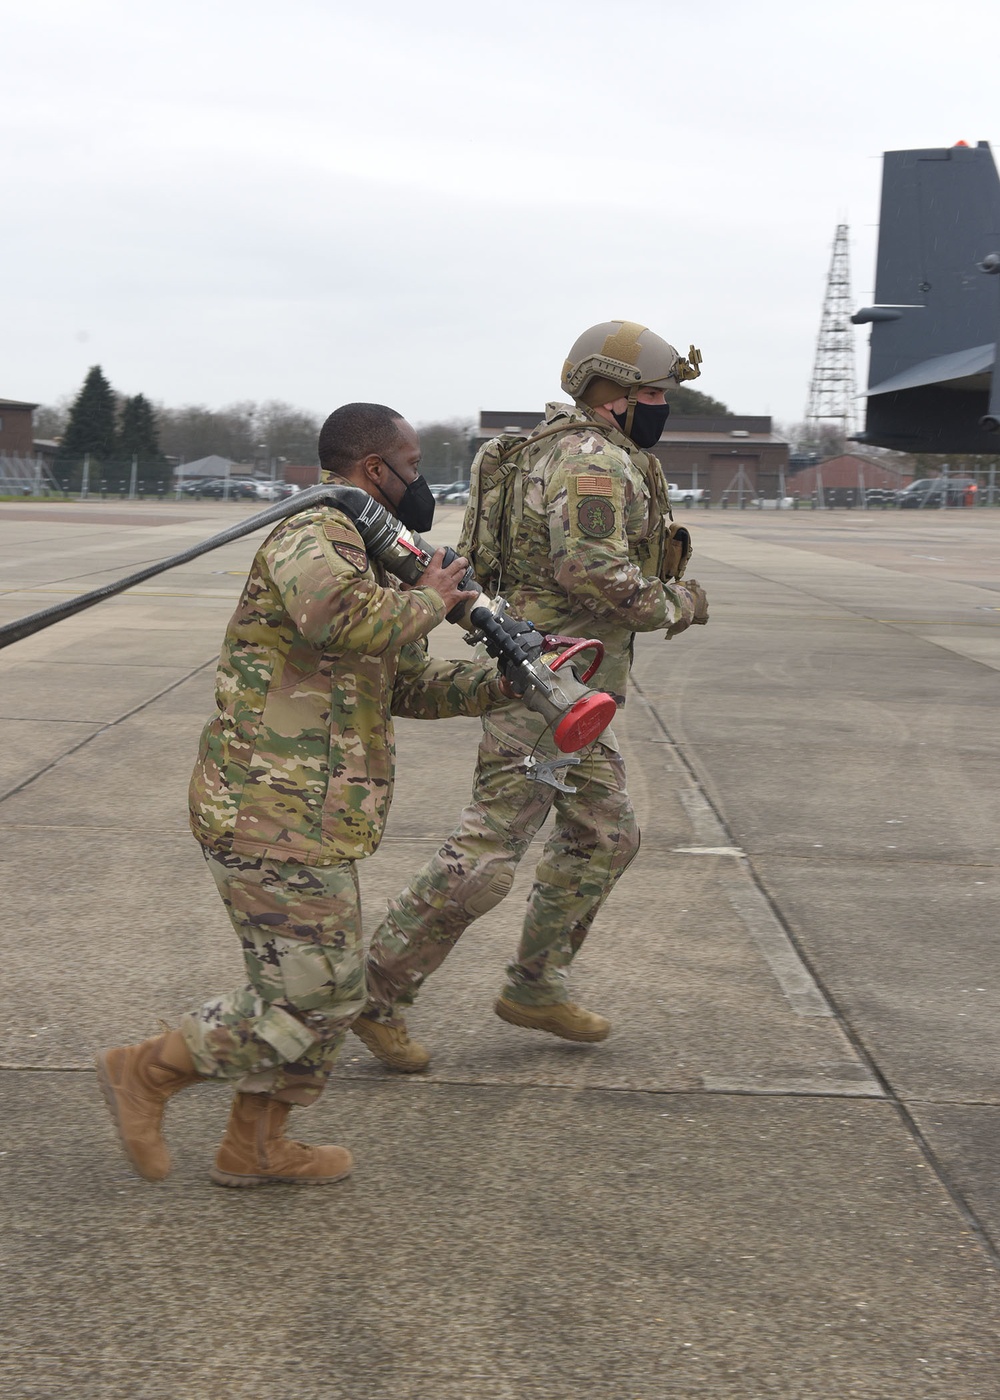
(416, 505)
(648, 421)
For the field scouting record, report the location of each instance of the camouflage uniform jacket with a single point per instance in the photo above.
(298, 762)
(587, 548)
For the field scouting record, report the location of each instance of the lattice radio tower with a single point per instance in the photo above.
(833, 392)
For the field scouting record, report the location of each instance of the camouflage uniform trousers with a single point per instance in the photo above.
(594, 838)
(300, 927)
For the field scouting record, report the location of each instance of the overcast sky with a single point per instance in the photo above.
(424, 203)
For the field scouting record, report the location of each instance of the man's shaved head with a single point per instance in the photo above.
(355, 431)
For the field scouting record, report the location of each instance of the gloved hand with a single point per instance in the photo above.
(694, 607)
(530, 647)
(512, 642)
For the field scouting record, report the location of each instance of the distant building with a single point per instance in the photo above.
(16, 432)
(298, 475)
(729, 456)
(209, 469)
(24, 468)
(725, 455)
(216, 467)
(492, 423)
(47, 449)
(851, 472)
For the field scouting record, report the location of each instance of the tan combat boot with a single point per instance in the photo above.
(136, 1081)
(562, 1018)
(391, 1044)
(255, 1150)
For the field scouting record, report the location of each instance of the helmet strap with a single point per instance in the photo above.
(632, 400)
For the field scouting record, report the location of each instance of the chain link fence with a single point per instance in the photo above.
(82, 479)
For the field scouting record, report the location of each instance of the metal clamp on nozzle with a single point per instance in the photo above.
(546, 770)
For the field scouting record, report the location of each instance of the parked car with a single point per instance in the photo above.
(929, 491)
(457, 494)
(684, 495)
(214, 489)
(439, 489)
(274, 490)
(880, 496)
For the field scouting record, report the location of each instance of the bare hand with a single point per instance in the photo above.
(446, 580)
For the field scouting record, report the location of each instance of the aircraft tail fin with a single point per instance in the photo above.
(936, 321)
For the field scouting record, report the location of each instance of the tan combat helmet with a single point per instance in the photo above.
(620, 357)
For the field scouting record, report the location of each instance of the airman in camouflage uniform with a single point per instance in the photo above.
(291, 788)
(587, 559)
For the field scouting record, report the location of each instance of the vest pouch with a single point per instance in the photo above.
(676, 552)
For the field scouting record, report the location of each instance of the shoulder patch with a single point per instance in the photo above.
(347, 543)
(347, 534)
(596, 517)
(593, 485)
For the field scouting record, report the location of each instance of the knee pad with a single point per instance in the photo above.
(488, 896)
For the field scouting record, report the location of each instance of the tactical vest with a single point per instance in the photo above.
(496, 506)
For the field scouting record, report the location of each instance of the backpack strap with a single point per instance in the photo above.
(532, 438)
(510, 518)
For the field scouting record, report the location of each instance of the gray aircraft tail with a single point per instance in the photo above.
(932, 385)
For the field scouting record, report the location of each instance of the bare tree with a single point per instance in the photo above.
(51, 418)
(446, 449)
(286, 431)
(256, 434)
(825, 439)
(194, 431)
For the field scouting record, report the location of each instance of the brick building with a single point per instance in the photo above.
(725, 455)
(16, 431)
(851, 472)
(301, 475)
(730, 457)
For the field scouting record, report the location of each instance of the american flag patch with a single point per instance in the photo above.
(594, 486)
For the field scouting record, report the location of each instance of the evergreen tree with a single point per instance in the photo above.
(91, 429)
(694, 404)
(138, 437)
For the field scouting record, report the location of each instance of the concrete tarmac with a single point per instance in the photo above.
(777, 1178)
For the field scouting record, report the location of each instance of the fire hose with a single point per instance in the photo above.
(534, 663)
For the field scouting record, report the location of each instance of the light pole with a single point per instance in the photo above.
(447, 460)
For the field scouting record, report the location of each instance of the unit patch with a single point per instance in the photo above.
(347, 544)
(596, 517)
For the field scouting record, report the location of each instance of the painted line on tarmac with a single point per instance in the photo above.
(751, 905)
(848, 1076)
(798, 986)
(708, 850)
